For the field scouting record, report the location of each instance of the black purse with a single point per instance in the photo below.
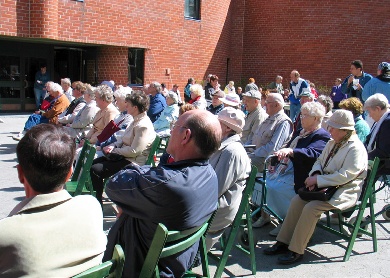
(320, 194)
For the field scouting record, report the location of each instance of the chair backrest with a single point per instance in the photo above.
(112, 268)
(84, 163)
(167, 243)
(369, 185)
(150, 161)
(246, 194)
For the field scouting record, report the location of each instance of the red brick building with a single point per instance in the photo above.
(141, 41)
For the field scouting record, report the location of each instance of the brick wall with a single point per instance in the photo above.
(112, 64)
(318, 38)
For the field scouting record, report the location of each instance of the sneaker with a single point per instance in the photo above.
(262, 221)
(1, 121)
(18, 137)
(275, 231)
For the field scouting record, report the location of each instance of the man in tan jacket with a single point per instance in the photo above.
(50, 233)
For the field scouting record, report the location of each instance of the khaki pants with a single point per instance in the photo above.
(300, 223)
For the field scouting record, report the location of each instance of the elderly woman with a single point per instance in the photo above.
(78, 102)
(296, 161)
(232, 165)
(343, 162)
(197, 97)
(133, 147)
(328, 104)
(354, 105)
(107, 112)
(82, 123)
(378, 142)
(58, 104)
(162, 125)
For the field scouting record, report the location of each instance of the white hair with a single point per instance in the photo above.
(315, 109)
(377, 100)
(66, 81)
(122, 92)
(197, 89)
(55, 87)
(278, 98)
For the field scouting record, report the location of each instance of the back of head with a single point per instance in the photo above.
(278, 98)
(104, 93)
(46, 155)
(352, 104)
(205, 131)
(140, 100)
(377, 100)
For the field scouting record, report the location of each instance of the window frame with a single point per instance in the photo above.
(192, 9)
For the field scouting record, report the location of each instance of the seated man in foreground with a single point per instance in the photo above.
(181, 195)
(50, 233)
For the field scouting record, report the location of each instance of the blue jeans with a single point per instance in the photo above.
(39, 96)
(294, 110)
(34, 120)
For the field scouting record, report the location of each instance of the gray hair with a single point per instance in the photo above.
(279, 77)
(122, 92)
(377, 100)
(66, 81)
(314, 109)
(104, 92)
(55, 87)
(157, 86)
(90, 90)
(278, 98)
(326, 101)
(197, 90)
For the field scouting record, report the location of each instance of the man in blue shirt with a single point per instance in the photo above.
(297, 86)
(181, 195)
(157, 101)
(354, 84)
(41, 78)
(379, 84)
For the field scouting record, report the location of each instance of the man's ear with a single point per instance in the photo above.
(69, 174)
(20, 174)
(186, 137)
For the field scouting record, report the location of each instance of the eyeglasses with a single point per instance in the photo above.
(267, 102)
(305, 116)
(174, 124)
(74, 88)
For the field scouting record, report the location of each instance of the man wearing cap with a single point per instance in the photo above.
(354, 84)
(232, 165)
(274, 133)
(379, 84)
(297, 86)
(157, 101)
(231, 100)
(168, 115)
(216, 104)
(306, 96)
(256, 115)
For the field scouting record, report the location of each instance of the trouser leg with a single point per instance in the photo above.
(102, 169)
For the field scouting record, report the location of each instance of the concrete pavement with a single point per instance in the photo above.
(323, 257)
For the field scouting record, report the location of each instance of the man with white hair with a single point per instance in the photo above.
(232, 165)
(274, 133)
(66, 86)
(256, 115)
(157, 101)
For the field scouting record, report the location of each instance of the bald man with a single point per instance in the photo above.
(181, 195)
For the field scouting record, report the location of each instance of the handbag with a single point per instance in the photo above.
(45, 105)
(320, 194)
(113, 156)
(109, 130)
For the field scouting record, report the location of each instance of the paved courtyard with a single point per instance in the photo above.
(323, 257)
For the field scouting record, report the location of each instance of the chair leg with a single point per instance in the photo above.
(373, 227)
(203, 256)
(353, 236)
(251, 241)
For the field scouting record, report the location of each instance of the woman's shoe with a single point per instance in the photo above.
(262, 221)
(290, 257)
(277, 248)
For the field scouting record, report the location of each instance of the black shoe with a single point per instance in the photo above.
(277, 248)
(290, 258)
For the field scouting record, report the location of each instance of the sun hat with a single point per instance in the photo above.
(253, 94)
(342, 119)
(218, 93)
(231, 99)
(233, 118)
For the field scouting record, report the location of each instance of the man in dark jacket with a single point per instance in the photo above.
(181, 195)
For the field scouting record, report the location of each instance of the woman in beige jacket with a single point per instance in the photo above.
(133, 147)
(343, 162)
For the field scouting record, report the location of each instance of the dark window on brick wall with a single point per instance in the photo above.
(192, 9)
(136, 65)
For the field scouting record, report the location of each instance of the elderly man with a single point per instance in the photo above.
(274, 133)
(297, 86)
(157, 101)
(232, 165)
(256, 115)
(66, 86)
(181, 195)
(354, 84)
(216, 104)
(78, 103)
(276, 86)
(50, 233)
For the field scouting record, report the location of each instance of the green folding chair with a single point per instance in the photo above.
(112, 268)
(80, 182)
(359, 223)
(242, 219)
(167, 243)
(153, 152)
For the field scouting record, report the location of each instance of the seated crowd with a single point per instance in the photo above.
(214, 137)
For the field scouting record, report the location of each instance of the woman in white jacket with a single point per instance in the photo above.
(343, 162)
